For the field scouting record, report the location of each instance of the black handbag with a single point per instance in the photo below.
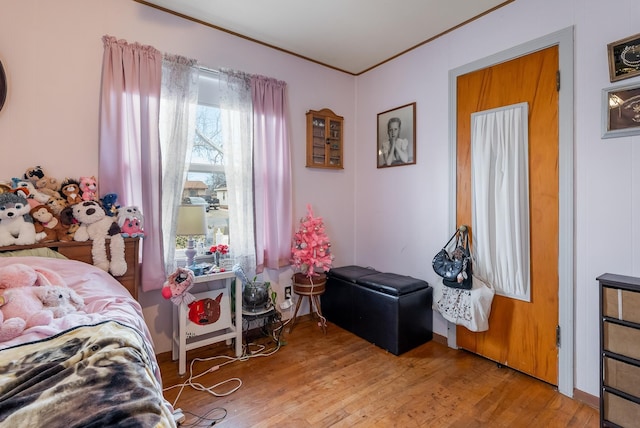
(455, 268)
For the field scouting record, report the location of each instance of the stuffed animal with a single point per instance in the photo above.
(60, 300)
(130, 221)
(109, 204)
(33, 174)
(89, 188)
(20, 306)
(177, 286)
(57, 204)
(69, 222)
(70, 190)
(28, 191)
(48, 183)
(96, 225)
(46, 221)
(16, 225)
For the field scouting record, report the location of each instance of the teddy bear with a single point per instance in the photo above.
(16, 225)
(130, 220)
(46, 221)
(70, 190)
(20, 305)
(177, 286)
(109, 204)
(60, 300)
(97, 226)
(89, 188)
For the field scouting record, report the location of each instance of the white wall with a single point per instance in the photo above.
(52, 53)
(412, 224)
(394, 219)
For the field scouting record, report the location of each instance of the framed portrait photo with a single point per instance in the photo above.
(624, 58)
(397, 137)
(621, 111)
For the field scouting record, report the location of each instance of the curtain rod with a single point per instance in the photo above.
(210, 70)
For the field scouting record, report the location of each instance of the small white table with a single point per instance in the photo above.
(202, 335)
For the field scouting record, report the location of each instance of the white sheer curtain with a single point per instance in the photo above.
(237, 131)
(178, 105)
(129, 153)
(500, 188)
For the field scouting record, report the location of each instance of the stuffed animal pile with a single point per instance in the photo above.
(35, 207)
(32, 296)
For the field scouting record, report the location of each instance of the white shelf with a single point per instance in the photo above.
(203, 335)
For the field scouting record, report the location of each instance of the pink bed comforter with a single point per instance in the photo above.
(104, 298)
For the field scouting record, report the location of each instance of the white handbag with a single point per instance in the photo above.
(468, 308)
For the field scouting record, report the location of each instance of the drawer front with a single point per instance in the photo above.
(621, 304)
(620, 410)
(621, 376)
(621, 339)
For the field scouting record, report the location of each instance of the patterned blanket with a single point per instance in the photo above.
(90, 376)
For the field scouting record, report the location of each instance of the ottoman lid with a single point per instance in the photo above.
(392, 284)
(350, 273)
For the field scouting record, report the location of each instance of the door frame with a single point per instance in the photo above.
(564, 39)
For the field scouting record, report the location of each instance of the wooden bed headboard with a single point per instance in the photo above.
(81, 251)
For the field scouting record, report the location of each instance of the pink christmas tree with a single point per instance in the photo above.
(310, 252)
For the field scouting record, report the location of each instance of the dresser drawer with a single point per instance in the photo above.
(621, 376)
(621, 304)
(620, 411)
(621, 339)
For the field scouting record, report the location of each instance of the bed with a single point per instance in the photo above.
(94, 368)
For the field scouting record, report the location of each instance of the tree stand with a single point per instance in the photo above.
(312, 288)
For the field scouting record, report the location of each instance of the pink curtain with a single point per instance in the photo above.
(130, 161)
(272, 173)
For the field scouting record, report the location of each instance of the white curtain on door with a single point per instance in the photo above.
(500, 198)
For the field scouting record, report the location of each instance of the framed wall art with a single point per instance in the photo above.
(3, 86)
(624, 58)
(621, 111)
(397, 136)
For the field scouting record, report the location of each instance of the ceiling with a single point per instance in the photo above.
(352, 36)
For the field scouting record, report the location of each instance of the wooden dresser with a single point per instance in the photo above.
(82, 251)
(619, 350)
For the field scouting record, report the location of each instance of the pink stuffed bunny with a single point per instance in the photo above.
(89, 188)
(20, 305)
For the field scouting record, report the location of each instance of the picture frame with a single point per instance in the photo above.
(624, 58)
(401, 121)
(621, 111)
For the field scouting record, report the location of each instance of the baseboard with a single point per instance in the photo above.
(588, 399)
(439, 339)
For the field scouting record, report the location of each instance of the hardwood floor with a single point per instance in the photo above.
(340, 380)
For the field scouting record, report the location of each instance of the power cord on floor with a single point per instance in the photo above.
(212, 389)
(206, 419)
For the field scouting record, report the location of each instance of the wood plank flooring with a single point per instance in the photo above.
(340, 380)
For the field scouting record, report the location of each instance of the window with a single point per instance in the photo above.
(206, 181)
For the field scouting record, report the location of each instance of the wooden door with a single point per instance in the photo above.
(521, 335)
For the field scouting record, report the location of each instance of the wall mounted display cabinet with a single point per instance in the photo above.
(324, 139)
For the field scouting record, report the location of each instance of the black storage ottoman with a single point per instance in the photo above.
(389, 310)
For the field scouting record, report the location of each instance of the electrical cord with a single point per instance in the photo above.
(205, 420)
(211, 389)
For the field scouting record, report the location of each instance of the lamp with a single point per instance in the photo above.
(192, 220)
